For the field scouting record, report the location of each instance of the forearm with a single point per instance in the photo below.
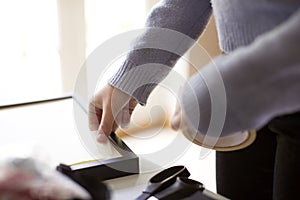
(159, 47)
(261, 81)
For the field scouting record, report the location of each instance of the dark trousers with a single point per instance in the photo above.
(268, 169)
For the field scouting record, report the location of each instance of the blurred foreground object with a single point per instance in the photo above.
(26, 179)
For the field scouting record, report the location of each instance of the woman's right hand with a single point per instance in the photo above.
(109, 109)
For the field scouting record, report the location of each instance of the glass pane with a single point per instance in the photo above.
(37, 130)
(105, 19)
(29, 61)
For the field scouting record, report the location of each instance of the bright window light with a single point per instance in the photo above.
(30, 66)
(29, 59)
(109, 18)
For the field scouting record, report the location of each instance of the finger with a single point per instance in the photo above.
(132, 104)
(176, 121)
(94, 116)
(122, 107)
(177, 108)
(106, 124)
(176, 118)
(124, 118)
(115, 126)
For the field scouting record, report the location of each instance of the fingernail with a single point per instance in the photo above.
(101, 137)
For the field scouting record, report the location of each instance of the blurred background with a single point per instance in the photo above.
(44, 43)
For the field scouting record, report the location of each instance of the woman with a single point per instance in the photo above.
(261, 74)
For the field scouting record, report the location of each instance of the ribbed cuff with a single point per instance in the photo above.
(138, 81)
(234, 35)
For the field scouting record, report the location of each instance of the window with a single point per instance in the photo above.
(29, 58)
(104, 20)
(38, 58)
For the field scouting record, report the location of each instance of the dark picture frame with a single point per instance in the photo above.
(127, 164)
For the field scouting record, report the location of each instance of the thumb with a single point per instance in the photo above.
(106, 125)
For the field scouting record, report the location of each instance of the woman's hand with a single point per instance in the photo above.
(176, 118)
(109, 109)
(234, 141)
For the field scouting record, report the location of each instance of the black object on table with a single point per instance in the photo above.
(173, 183)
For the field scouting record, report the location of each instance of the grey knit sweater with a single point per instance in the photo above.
(261, 75)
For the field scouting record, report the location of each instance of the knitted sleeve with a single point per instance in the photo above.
(146, 65)
(261, 81)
